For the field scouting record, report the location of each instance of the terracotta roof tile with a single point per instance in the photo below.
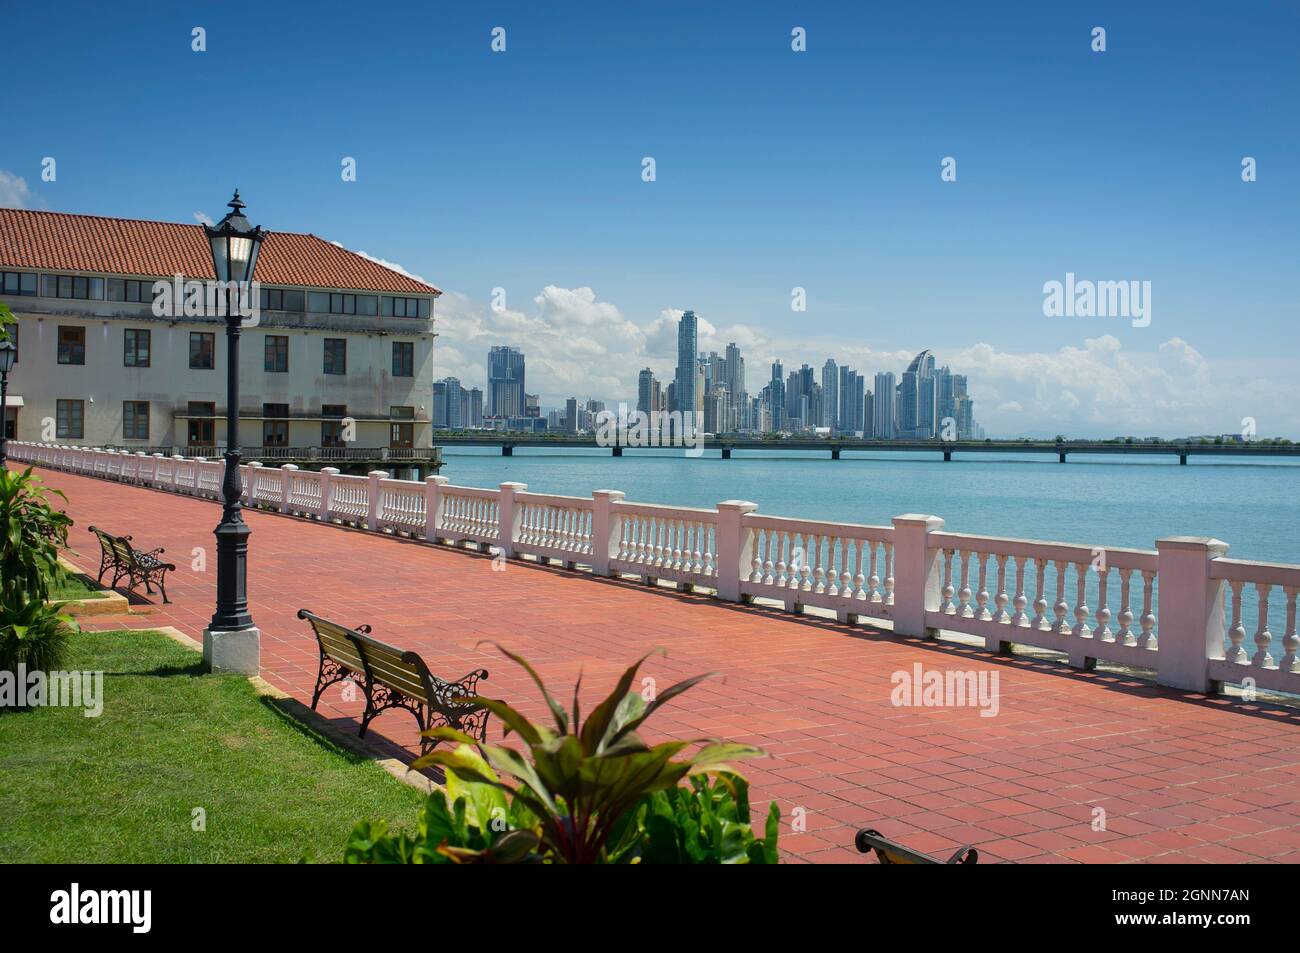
(58, 241)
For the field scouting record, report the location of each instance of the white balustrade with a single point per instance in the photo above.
(349, 499)
(678, 544)
(304, 493)
(554, 527)
(401, 506)
(1260, 646)
(837, 566)
(469, 513)
(1196, 617)
(989, 583)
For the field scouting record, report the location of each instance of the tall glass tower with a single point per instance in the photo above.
(505, 382)
(688, 343)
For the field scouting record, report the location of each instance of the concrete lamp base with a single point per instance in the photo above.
(233, 651)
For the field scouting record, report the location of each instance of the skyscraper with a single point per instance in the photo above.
(885, 425)
(647, 392)
(917, 398)
(689, 397)
(505, 382)
(448, 404)
(737, 395)
(776, 398)
(830, 394)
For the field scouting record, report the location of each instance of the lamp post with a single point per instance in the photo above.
(8, 354)
(231, 643)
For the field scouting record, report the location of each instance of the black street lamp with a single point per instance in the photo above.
(235, 244)
(8, 354)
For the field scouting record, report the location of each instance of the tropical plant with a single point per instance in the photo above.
(31, 532)
(706, 823)
(583, 792)
(6, 318)
(34, 634)
(461, 822)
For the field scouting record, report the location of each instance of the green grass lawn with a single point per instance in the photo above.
(71, 587)
(122, 787)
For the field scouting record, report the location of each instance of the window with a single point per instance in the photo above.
(72, 345)
(277, 354)
(282, 299)
(336, 356)
(202, 432)
(331, 431)
(120, 289)
(403, 359)
(19, 283)
(318, 301)
(401, 435)
(367, 304)
(70, 419)
(404, 307)
(203, 345)
(135, 348)
(275, 431)
(135, 420)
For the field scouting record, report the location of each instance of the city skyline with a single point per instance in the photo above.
(889, 256)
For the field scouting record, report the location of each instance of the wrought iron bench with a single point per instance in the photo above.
(392, 678)
(888, 852)
(137, 566)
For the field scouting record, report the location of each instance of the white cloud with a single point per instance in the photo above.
(203, 219)
(14, 192)
(578, 345)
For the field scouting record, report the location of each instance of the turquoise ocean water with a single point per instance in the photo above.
(1091, 500)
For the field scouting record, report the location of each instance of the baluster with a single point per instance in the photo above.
(835, 571)
(1081, 610)
(1290, 640)
(1021, 599)
(946, 606)
(800, 563)
(876, 594)
(963, 594)
(1148, 620)
(1263, 637)
(858, 579)
(1040, 600)
(889, 574)
(1125, 634)
(1103, 631)
(815, 576)
(1062, 607)
(1001, 599)
(982, 597)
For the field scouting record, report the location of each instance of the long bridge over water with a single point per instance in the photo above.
(837, 445)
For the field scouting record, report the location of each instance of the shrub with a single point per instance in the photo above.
(31, 532)
(584, 792)
(34, 634)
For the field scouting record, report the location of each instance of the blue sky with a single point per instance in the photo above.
(775, 169)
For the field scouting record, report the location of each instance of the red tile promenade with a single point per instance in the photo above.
(1180, 778)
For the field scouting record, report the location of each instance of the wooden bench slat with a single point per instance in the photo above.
(351, 653)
